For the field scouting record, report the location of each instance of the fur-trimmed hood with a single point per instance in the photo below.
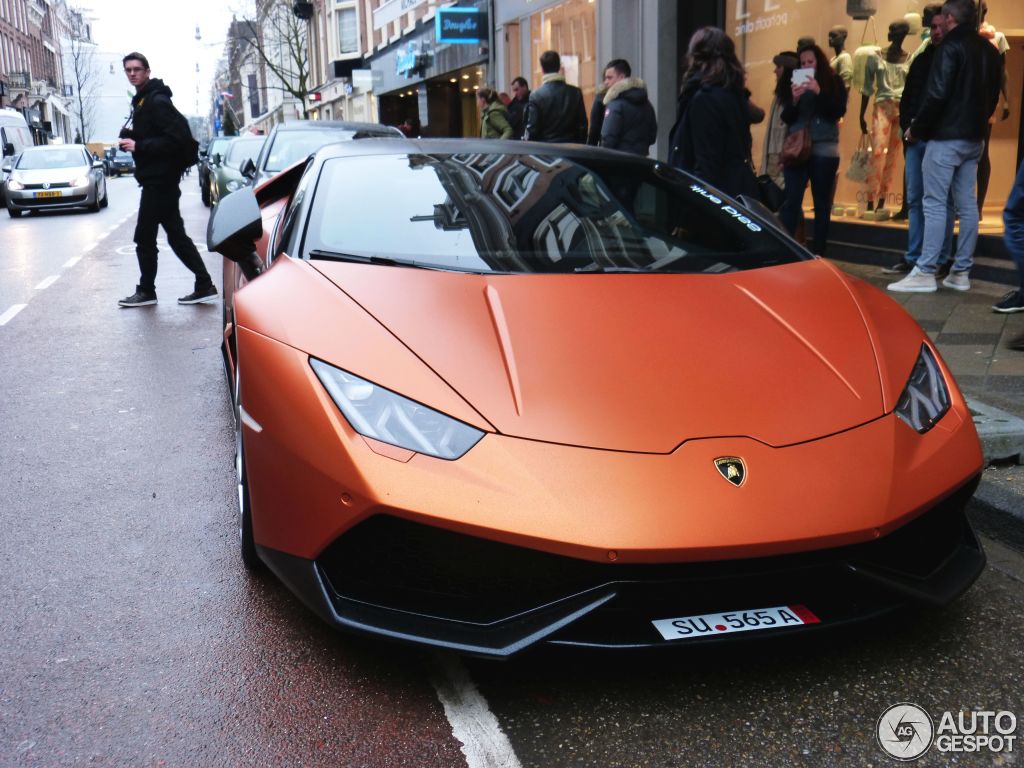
(626, 84)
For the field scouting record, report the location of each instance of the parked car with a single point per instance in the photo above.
(211, 157)
(55, 176)
(290, 142)
(225, 177)
(495, 394)
(120, 162)
(14, 137)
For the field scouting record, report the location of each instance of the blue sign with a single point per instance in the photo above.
(460, 25)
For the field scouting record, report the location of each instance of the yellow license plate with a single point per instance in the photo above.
(52, 193)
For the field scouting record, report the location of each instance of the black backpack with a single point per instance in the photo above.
(187, 152)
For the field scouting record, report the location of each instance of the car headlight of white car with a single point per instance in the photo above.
(383, 415)
(14, 185)
(925, 399)
(80, 181)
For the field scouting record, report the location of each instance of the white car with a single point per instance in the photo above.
(55, 176)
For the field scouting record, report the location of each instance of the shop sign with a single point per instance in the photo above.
(393, 9)
(411, 61)
(460, 25)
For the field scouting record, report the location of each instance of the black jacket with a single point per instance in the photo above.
(517, 116)
(711, 137)
(596, 118)
(963, 88)
(157, 133)
(917, 81)
(556, 113)
(629, 121)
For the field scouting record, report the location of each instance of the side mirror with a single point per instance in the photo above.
(8, 149)
(98, 164)
(235, 225)
(248, 168)
(216, 158)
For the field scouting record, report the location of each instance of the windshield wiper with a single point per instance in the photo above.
(380, 260)
(597, 269)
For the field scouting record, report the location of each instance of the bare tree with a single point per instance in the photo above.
(84, 80)
(279, 39)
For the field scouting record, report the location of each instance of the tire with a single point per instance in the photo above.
(204, 193)
(250, 558)
(15, 214)
(106, 197)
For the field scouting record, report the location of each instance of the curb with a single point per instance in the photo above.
(1001, 433)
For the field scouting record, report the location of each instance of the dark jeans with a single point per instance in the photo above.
(1013, 218)
(821, 172)
(159, 207)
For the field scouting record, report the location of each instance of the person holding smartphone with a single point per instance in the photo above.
(816, 101)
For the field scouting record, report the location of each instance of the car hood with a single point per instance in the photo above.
(50, 175)
(637, 362)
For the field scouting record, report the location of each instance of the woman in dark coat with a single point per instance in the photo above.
(817, 105)
(711, 136)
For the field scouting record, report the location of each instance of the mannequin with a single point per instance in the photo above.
(998, 39)
(842, 62)
(885, 77)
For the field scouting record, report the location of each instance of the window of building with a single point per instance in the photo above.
(348, 30)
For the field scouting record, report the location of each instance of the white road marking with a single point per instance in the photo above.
(47, 282)
(7, 316)
(71, 262)
(484, 744)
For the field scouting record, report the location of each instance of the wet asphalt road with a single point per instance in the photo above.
(130, 635)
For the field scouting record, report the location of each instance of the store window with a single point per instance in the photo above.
(570, 29)
(763, 28)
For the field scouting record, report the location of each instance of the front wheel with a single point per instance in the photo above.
(14, 214)
(250, 558)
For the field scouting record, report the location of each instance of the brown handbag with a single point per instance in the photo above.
(796, 148)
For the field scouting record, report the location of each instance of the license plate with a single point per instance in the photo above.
(707, 624)
(51, 193)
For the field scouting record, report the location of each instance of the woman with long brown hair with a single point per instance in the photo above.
(711, 136)
(817, 104)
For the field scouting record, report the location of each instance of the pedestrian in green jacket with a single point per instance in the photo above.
(494, 122)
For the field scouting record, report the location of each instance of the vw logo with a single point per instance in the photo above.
(732, 469)
(46, 185)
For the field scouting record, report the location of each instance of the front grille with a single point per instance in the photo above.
(58, 185)
(393, 563)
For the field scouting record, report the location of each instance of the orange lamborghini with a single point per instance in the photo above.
(490, 395)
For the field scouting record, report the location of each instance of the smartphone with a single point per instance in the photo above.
(803, 75)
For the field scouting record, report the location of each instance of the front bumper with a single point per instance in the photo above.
(415, 583)
(69, 197)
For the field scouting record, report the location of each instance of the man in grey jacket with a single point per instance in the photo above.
(555, 112)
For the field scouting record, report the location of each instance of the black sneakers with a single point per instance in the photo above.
(140, 298)
(200, 296)
(1012, 302)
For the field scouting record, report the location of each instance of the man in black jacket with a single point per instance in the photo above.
(913, 151)
(960, 97)
(555, 112)
(517, 107)
(629, 123)
(155, 139)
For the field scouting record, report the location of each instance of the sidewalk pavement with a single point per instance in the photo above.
(971, 339)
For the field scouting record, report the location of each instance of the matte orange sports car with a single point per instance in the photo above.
(497, 394)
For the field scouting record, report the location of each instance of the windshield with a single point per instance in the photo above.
(535, 213)
(242, 149)
(37, 159)
(288, 147)
(122, 156)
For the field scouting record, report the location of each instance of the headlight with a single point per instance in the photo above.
(925, 399)
(234, 184)
(14, 185)
(383, 415)
(81, 181)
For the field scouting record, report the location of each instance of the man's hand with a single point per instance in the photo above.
(126, 145)
(908, 137)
